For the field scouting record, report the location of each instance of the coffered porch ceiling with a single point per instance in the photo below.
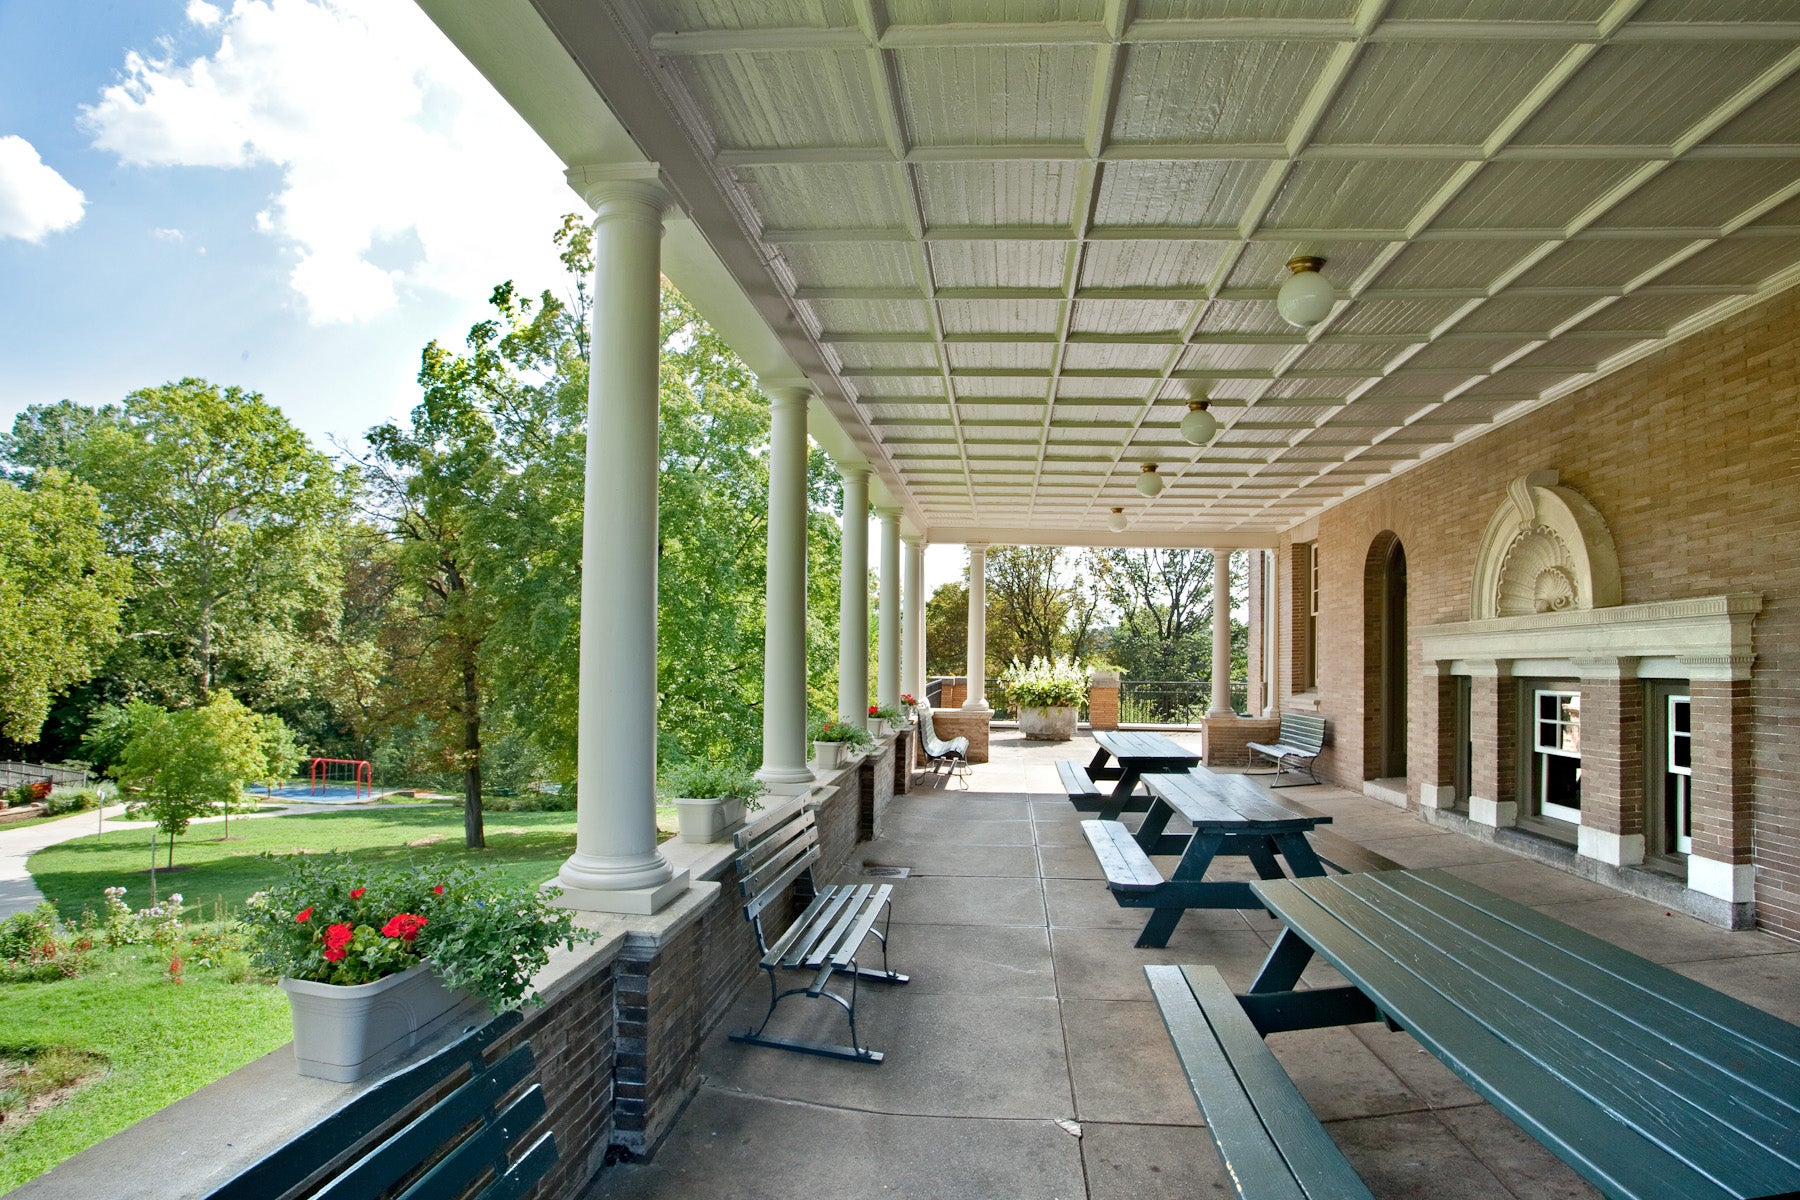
(1009, 240)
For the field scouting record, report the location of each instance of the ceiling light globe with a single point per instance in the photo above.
(1149, 482)
(1198, 427)
(1306, 296)
(1116, 521)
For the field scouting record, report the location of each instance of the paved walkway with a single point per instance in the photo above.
(1027, 1060)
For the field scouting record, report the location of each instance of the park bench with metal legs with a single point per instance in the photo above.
(1296, 746)
(483, 1128)
(775, 854)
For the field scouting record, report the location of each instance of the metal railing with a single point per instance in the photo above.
(12, 774)
(1173, 701)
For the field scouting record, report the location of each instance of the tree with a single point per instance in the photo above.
(188, 762)
(228, 516)
(947, 630)
(1164, 601)
(1039, 605)
(60, 596)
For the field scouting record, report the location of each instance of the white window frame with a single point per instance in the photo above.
(1680, 794)
(1541, 753)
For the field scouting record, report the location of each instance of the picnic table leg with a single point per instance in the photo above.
(1121, 794)
(1202, 848)
(1282, 968)
(1302, 859)
(1101, 754)
(1262, 856)
(1156, 819)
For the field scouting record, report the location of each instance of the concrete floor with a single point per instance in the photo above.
(1027, 1060)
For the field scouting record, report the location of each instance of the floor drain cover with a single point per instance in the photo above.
(875, 872)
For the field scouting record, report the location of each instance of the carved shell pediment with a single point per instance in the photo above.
(1546, 550)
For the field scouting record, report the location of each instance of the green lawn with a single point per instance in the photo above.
(527, 847)
(160, 1041)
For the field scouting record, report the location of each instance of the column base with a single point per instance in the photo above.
(1614, 849)
(1496, 813)
(787, 781)
(1437, 796)
(977, 706)
(635, 901)
(1732, 882)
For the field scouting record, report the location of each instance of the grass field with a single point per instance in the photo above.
(526, 847)
(160, 1042)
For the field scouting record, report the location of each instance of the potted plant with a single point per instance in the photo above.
(885, 717)
(375, 960)
(710, 797)
(1049, 695)
(909, 706)
(834, 741)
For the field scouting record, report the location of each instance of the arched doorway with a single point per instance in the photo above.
(1384, 659)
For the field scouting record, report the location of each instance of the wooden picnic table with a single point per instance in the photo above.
(1134, 755)
(1230, 815)
(1647, 1083)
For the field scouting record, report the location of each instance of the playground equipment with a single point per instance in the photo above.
(324, 774)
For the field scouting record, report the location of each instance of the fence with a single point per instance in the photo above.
(12, 774)
(1173, 701)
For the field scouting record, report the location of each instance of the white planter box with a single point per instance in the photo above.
(342, 1033)
(1048, 724)
(831, 754)
(709, 820)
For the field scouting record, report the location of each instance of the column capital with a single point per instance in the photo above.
(888, 512)
(976, 547)
(609, 188)
(854, 469)
(787, 389)
(911, 539)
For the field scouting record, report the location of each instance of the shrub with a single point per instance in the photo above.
(36, 949)
(711, 779)
(1058, 683)
(81, 800)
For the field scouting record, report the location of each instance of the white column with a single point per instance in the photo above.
(887, 646)
(912, 618)
(616, 866)
(977, 697)
(784, 766)
(853, 599)
(1221, 665)
(1271, 639)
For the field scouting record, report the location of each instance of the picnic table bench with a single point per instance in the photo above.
(1133, 756)
(1231, 816)
(1648, 1084)
(825, 940)
(1299, 741)
(482, 1127)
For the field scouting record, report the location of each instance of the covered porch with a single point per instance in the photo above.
(1027, 1058)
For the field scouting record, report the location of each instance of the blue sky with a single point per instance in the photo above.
(288, 195)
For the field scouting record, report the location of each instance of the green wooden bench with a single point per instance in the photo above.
(776, 853)
(1083, 792)
(1272, 1145)
(1648, 1084)
(1296, 745)
(476, 1143)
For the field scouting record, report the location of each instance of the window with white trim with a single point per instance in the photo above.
(1556, 754)
(1678, 774)
(1310, 633)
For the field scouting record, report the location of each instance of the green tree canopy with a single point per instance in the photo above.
(60, 596)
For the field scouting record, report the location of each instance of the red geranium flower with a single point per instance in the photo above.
(337, 937)
(872, 709)
(304, 915)
(438, 890)
(357, 893)
(404, 926)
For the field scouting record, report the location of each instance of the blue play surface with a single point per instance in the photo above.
(335, 793)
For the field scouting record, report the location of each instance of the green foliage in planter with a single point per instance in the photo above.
(711, 779)
(885, 712)
(333, 920)
(833, 730)
(1057, 683)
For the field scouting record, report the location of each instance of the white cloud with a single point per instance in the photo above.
(168, 235)
(384, 135)
(34, 200)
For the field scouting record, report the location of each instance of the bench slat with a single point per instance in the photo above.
(1650, 1080)
(485, 1148)
(1127, 867)
(832, 934)
(792, 948)
(1583, 1134)
(526, 1171)
(1273, 1146)
(858, 931)
(1075, 779)
(768, 883)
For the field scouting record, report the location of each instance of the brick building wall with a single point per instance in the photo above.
(1692, 456)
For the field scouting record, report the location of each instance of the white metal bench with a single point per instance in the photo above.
(1295, 747)
(953, 754)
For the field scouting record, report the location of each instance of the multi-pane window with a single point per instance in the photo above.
(1310, 658)
(1556, 754)
(1678, 775)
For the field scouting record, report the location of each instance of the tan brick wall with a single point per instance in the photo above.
(960, 723)
(1612, 752)
(1228, 737)
(1103, 707)
(1692, 456)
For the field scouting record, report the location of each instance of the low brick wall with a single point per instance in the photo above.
(875, 787)
(905, 752)
(960, 722)
(1228, 737)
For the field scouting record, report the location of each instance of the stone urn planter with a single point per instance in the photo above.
(831, 754)
(343, 1033)
(703, 820)
(1053, 724)
(878, 727)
